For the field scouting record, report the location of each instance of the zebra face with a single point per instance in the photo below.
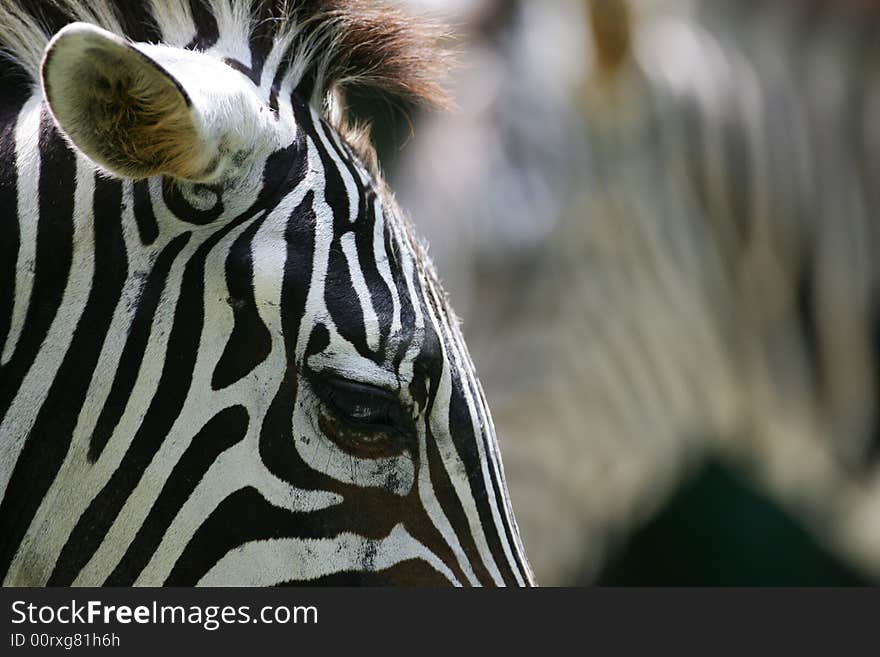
(295, 400)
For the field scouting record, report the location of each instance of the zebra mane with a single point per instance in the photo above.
(329, 45)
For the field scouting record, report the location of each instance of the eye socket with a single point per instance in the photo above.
(363, 418)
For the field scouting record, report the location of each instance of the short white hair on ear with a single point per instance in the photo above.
(139, 110)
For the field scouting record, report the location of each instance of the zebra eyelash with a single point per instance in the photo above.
(363, 407)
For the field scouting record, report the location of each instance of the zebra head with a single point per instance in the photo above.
(227, 359)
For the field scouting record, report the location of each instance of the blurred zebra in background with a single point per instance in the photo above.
(682, 257)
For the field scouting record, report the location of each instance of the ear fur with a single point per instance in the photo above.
(121, 108)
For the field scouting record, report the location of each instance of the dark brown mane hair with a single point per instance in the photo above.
(349, 43)
(386, 49)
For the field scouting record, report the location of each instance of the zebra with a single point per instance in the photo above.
(697, 256)
(226, 357)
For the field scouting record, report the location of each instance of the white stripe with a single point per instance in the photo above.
(80, 490)
(32, 393)
(383, 265)
(435, 512)
(371, 321)
(236, 468)
(293, 559)
(233, 30)
(27, 166)
(452, 460)
(67, 496)
(351, 190)
(480, 424)
(440, 419)
(194, 414)
(175, 21)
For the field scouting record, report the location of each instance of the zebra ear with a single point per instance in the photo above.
(122, 109)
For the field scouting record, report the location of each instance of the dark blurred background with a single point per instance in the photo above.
(657, 220)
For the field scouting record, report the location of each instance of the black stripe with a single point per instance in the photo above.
(445, 492)
(53, 255)
(277, 449)
(466, 445)
(252, 74)
(245, 516)
(412, 572)
(380, 294)
(242, 517)
(334, 187)
(222, 431)
(49, 440)
(250, 341)
(165, 407)
(135, 346)
(509, 534)
(319, 340)
(11, 238)
(144, 216)
(407, 304)
(339, 294)
(504, 510)
(343, 302)
(207, 30)
(182, 209)
(53, 260)
(137, 21)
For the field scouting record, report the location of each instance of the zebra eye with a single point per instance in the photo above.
(361, 416)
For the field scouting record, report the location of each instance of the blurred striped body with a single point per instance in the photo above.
(705, 280)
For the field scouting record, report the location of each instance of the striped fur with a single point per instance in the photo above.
(255, 381)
